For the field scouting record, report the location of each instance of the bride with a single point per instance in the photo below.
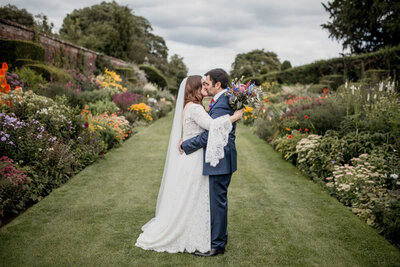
(182, 218)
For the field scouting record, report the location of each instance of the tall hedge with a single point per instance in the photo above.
(153, 75)
(11, 50)
(351, 67)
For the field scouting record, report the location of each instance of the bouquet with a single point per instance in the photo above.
(241, 95)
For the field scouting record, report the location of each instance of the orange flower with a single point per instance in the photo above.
(4, 83)
(5, 67)
(2, 72)
(8, 88)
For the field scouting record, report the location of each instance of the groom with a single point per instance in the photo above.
(220, 175)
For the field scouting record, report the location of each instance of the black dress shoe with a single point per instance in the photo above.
(211, 253)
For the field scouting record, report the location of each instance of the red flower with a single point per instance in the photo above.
(289, 136)
(325, 90)
(300, 129)
(306, 130)
(305, 116)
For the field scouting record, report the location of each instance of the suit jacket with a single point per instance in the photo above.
(228, 164)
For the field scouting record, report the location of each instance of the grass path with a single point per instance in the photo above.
(277, 217)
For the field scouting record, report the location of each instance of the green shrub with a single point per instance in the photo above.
(154, 76)
(387, 212)
(286, 145)
(264, 129)
(49, 72)
(321, 118)
(52, 90)
(102, 106)
(11, 50)
(31, 79)
(96, 95)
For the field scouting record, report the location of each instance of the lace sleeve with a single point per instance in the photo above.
(200, 116)
(217, 139)
(219, 129)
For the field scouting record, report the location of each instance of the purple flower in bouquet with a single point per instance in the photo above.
(241, 95)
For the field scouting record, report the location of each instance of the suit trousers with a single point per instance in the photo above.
(219, 209)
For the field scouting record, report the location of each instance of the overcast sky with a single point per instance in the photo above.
(209, 34)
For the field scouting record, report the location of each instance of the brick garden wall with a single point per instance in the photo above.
(55, 47)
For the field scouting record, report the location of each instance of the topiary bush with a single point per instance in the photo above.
(50, 73)
(332, 81)
(11, 50)
(154, 76)
(125, 73)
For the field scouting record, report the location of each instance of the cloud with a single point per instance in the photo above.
(210, 34)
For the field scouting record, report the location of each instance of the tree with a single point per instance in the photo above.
(286, 65)
(114, 30)
(43, 24)
(254, 63)
(177, 70)
(20, 16)
(364, 25)
(176, 65)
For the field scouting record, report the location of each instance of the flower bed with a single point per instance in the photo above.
(51, 131)
(347, 141)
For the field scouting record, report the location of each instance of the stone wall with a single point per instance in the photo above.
(57, 51)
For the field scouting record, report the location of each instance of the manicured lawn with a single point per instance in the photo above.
(277, 217)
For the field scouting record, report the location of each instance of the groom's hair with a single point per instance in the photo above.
(218, 75)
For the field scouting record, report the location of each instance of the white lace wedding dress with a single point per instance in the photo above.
(182, 221)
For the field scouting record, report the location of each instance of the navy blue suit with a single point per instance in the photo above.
(220, 175)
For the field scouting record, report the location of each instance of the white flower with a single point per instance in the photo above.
(394, 176)
(381, 87)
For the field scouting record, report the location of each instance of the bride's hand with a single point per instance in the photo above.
(180, 148)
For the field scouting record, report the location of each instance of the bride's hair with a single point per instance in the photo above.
(193, 90)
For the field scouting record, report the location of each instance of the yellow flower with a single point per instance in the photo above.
(288, 129)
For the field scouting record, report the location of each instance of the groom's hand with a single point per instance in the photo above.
(180, 146)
